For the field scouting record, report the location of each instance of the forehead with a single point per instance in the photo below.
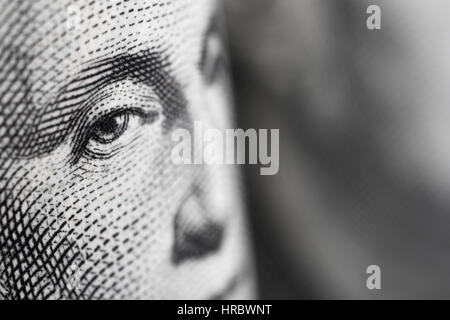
(52, 39)
(108, 25)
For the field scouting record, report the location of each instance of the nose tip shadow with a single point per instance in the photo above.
(197, 234)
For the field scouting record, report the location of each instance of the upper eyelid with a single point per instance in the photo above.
(110, 100)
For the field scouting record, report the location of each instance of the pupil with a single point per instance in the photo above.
(108, 126)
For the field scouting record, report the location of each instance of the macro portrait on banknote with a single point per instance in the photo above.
(224, 150)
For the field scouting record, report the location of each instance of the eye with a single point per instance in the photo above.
(110, 128)
(111, 133)
(214, 60)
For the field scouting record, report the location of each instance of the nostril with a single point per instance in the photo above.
(196, 233)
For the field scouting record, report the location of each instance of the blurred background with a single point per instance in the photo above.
(364, 144)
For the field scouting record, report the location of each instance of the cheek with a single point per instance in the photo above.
(98, 225)
(125, 207)
(40, 253)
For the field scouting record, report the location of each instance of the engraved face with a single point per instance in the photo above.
(91, 205)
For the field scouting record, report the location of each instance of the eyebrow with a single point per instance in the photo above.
(145, 67)
(60, 117)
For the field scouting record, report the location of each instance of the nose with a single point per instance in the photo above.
(197, 233)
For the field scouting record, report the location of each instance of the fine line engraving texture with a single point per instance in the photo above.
(91, 206)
